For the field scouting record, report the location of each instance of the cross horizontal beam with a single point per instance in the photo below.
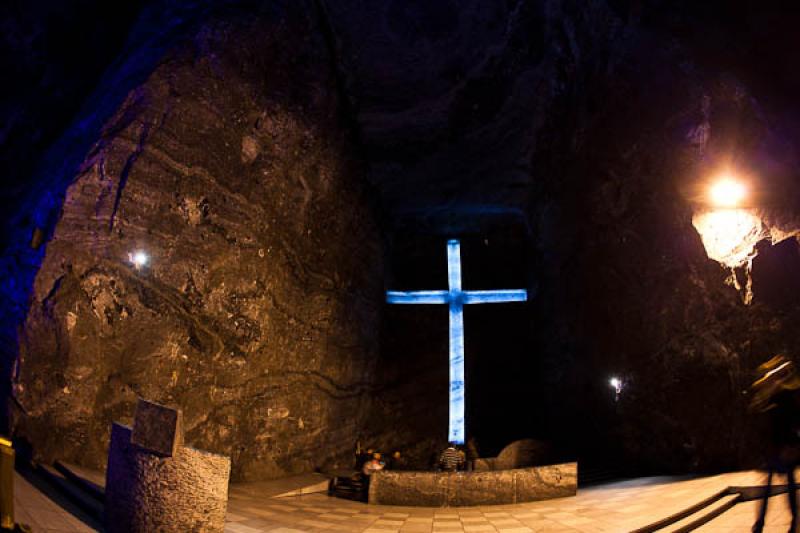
(495, 296)
(418, 297)
(465, 297)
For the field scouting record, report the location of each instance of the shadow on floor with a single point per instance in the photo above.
(58, 498)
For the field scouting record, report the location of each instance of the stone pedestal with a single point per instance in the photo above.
(169, 488)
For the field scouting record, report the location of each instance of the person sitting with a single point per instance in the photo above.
(472, 453)
(451, 459)
(363, 458)
(396, 462)
(373, 465)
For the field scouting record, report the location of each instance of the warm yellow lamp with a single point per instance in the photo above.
(727, 192)
(729, 229)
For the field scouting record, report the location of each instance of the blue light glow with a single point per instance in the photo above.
(456, 299)
(418, 297)
(490, 297)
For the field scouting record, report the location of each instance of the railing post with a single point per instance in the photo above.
(6, 484)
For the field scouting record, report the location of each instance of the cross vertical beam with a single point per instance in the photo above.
(455, 432)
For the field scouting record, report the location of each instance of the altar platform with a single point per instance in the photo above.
(460, 489)
(613, 507)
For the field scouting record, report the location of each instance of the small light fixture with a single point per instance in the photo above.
(727, 192)
(728, 224)
(139, 258)
(616, 384)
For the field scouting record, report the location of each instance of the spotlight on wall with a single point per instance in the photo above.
(616, 384)
(727, 192)
(139, 258)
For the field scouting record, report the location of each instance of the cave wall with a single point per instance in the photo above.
(72, 65)
(239, 167)
(627, 288)
(594, 126)
(53, 54)
(455, 129)
(230, 167)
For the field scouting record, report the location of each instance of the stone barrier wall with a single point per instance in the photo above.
(443, 489)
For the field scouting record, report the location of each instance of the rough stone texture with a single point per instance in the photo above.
(148, 492)
(50, 50)
(518, 454)
(157, 428)
(523, 453)
(257, 311)
(440, 489)
(484, 464)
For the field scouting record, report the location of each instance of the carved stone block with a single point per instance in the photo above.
(157, 428)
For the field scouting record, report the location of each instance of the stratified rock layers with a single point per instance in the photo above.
(257, 309)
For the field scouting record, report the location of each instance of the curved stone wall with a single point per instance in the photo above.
(457, 489)
(149, 492)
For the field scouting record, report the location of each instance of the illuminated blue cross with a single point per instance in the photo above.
(456, 298)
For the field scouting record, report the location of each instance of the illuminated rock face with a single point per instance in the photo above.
(572, 130)
(729, 235)
(256, 311)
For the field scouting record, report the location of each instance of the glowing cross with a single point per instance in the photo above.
(456, 298)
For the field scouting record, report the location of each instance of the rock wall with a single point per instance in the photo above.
(52, 56)
(627, 288)
(257, 307)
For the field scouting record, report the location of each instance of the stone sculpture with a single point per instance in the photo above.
(155, 483)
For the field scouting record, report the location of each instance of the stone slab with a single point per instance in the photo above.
(523, 454)
(455, 489)
(157, 428)
(486, 463)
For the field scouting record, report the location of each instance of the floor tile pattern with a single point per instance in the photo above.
(616, 507)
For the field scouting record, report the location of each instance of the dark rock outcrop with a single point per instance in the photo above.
(53, 54)
(256, 309)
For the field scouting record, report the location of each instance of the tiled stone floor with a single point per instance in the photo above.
(615, 507)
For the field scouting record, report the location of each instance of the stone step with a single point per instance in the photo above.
(320, 486)
(84, 500)
(91, 482)
(596, 475)
(283, 487)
